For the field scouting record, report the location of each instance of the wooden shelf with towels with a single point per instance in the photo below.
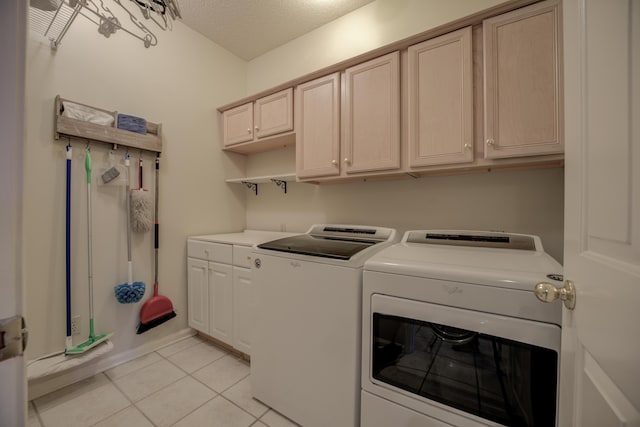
(67, 126)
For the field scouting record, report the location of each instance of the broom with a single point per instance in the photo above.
(157, 309)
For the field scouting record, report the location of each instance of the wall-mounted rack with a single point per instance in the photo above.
(67, 126)
(252, 182)
(54, 21)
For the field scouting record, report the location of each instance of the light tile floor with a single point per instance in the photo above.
(190, 383)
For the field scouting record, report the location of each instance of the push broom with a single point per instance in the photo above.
(157, 309)
(93, 339)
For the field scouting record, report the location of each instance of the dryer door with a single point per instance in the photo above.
(490, 368)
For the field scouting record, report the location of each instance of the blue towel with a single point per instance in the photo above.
(132, 123)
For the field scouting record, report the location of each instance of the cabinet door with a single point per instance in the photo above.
(372, 115)
(523, 95)
(221, 302)
(318, 127)
(440, 93)
(198, 294)
(243, 304)
(274, 114)
(238, 124)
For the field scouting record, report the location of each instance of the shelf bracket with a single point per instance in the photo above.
(252, 186)
(280, 183)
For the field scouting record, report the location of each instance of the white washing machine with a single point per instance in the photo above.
(453, 334)
(305, 359)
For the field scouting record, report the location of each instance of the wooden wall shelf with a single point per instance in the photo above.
(66, 126)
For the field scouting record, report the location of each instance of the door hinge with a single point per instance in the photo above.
(13, 337)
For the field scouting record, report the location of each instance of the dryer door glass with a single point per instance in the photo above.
(498, 379)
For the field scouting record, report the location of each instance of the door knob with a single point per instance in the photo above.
(491, 142)
(546, 292)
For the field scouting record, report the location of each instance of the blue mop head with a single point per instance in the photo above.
(128, 294)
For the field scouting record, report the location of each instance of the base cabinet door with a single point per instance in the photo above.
(243, 308)
(523, 91)
(198, 294)
(221, 302)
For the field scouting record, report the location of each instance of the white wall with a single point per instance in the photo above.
(517, 201)
(374, 25)
(178, 83)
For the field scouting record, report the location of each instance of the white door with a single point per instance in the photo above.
(600, 372)
(13, 20)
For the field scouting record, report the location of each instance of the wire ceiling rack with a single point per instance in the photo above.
(53, 18)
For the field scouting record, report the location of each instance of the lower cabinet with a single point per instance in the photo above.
(221, 302)
(243, 309)
(220, 293)
(198, 292)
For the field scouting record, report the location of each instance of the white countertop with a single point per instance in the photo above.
(245, 238)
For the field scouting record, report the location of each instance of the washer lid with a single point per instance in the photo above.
(507, 260)
(332, 241)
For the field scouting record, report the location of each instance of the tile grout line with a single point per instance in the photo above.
(132, 403)
(129, 399)
(195, 409)
(229, 400)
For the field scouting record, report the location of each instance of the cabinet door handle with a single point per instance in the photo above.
(467, 146)
(257, 128)
(334, 162)
(249, 130)
(491, 142)
(347, 161)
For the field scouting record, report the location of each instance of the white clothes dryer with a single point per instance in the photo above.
(453, 334)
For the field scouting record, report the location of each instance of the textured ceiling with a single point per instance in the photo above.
(249, 28)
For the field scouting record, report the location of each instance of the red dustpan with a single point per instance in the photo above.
(157, 309)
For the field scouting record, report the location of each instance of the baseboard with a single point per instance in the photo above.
(41, 386)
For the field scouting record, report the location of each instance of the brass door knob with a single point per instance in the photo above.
(546, 292)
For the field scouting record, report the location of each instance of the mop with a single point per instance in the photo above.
(93, 339)
(131, 291)
(157, 309)
(59, 361)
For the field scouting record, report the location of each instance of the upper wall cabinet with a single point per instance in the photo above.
(440, 100)
(371, 127)
(367, 139)
(523, 93)
(253, 124)
(318, 128)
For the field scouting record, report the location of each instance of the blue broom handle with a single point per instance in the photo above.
(68, 241)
